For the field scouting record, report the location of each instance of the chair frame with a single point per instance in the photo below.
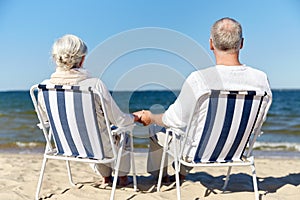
(248, 158)
(50, 152)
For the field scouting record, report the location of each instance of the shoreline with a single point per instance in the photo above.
(143, 151)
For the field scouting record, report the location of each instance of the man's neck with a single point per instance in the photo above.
(227, 59)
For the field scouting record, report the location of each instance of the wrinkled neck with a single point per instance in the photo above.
(227, 59)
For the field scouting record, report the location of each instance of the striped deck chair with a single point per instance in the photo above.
(233, 121)
(74, 129)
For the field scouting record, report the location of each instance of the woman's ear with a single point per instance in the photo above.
(81, 62)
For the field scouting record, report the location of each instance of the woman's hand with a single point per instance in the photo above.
(143, 116)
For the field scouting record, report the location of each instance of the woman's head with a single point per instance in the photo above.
(68, 52)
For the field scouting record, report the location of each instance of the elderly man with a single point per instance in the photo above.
(229, 73)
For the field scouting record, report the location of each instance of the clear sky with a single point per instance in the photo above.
(29, 28)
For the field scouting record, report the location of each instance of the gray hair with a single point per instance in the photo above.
(67, 51)
(226, 35)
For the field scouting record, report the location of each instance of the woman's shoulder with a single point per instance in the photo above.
(90, 81)
(95, 83)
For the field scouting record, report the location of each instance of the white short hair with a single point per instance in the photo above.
(226, 35)
(67, 51)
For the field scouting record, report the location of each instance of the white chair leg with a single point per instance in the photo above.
(70, 174)
(117, 166)
(41, 178)
(133, 164)
(177, 170)
(227, 178)
(177, 179)
(254, 178)
(162, 163)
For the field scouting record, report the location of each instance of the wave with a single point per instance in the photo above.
(27, 144)
(277, 146)
(261, 146)
(13, 145)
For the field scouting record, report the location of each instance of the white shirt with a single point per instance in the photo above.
(219, 77)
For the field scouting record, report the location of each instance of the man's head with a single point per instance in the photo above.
(226, 36)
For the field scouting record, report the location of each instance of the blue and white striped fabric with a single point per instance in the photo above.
(73, 120)
(230, 118)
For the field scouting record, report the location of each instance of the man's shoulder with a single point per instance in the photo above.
(200, 77)
(209, 71)
(203, 71)
(256, 70)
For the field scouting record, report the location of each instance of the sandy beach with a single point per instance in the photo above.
(277, 179)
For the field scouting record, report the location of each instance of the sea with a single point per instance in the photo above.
(19, 133)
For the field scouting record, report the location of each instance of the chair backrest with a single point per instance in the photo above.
(73, 121)
(230, 118)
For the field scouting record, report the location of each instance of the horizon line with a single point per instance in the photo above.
(141, 90)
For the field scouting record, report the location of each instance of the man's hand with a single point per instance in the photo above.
(143, 116)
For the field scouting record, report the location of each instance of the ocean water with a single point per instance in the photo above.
(19, 133)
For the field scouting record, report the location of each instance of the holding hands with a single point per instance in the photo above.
(143, 116)
(146, 117)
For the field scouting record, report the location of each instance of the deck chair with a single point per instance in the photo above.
(233, 121)
(72, 132)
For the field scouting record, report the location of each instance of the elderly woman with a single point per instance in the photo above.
(69, 53)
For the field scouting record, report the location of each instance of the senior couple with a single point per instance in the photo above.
(229, 73)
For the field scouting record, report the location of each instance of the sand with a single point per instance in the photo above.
(278, 179)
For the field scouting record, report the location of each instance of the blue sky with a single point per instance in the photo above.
(29, 28)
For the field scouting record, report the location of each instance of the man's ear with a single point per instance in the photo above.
(211, 45)
(242, 43)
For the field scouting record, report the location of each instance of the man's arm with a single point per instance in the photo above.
(146, 118)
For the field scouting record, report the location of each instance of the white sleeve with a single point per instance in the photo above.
(114, 114)
(179, 112)
(269, 92)
(41, 102)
